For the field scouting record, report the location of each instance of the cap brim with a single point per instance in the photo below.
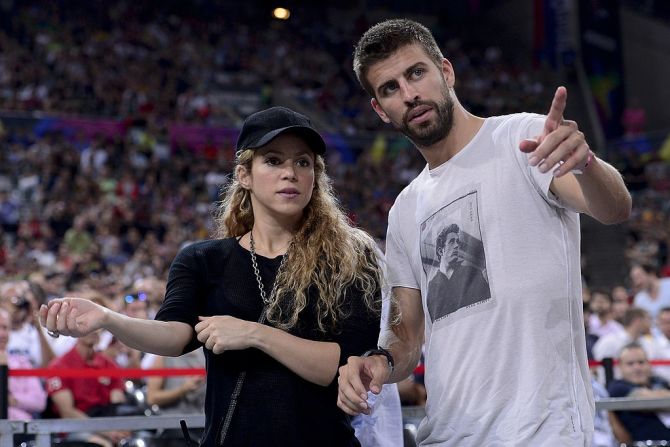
(312, 137)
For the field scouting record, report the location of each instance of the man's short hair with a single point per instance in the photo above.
(632, 345)
(633, 314)
(441, 241)
(603, 292)
(387, 37)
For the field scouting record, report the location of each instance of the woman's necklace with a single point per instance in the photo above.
(266, 300)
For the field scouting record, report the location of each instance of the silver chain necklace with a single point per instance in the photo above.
(265, 299)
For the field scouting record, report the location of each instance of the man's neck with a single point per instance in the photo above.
(465, 127)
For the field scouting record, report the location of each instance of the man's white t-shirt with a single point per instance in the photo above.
(508, 367)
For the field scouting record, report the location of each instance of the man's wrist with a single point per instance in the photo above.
(384, 353)
(589, 159)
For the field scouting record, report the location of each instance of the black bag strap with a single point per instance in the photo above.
(236, 394)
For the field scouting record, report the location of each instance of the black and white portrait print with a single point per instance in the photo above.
(453, 258)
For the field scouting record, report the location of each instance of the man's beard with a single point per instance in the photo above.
(430, 132)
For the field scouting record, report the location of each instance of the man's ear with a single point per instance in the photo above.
(378, 108)
(448, 73)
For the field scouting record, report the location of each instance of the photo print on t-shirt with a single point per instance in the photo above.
(453, 258)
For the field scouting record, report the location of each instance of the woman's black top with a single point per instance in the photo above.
(276, 407)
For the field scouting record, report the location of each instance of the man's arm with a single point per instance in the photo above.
(64, 401)
(403, 341)
(599, 192)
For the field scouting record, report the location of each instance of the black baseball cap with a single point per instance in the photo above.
(262, 127)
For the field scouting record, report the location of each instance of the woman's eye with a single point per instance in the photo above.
(272, 161)
(304, 163)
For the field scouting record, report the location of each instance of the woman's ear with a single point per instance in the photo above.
(243, 176)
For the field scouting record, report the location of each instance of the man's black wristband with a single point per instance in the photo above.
(384, 352)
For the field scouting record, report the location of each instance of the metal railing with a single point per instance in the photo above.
(43, 429)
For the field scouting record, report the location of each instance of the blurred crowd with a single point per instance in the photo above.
(103, 217)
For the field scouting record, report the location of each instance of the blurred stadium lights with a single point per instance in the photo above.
(281, 13)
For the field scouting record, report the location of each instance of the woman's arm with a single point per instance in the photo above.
(314, 361)
(77, 317)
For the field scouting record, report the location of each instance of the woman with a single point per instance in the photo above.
(27, 397)
(286, 252)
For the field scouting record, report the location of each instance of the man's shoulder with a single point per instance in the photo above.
(68, 360)
(516, 125)
(620, 388)
(407, 197)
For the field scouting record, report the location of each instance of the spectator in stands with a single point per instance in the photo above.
(603, 435)
(286, 252)
(652, 293)
(178, 394)
(26, 337)
(27, 397)
(591, 338)
(509, 179)
(662, 342)
(637, 382)
(620, 303)
(133, 305)
(80, 398)
(601, 322)
(637, 328)
(154, 288)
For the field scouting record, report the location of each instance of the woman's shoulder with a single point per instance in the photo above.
(204, 247)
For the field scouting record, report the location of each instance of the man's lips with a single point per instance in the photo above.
(418, 112)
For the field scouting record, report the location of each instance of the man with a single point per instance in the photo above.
(620, 303)
(601, 322)
(662, 342)
(652, 293)
(462, 284)
(511, 369)
(636, 328)
(638, 382)
(78, 398)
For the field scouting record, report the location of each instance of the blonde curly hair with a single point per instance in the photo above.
(327, 252)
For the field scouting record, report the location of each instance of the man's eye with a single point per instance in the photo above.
(418, 72)
(390, 89)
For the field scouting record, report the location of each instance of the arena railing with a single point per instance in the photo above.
(43, 429)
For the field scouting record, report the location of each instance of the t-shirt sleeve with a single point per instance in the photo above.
(530, 125)
(184, 295)
(398, 261)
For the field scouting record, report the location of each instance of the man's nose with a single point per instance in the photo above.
(409, 92)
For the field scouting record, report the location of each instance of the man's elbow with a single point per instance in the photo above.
(619, 213)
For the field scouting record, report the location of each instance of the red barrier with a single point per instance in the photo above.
(132, 373)
(129, 373)
(615, 361)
